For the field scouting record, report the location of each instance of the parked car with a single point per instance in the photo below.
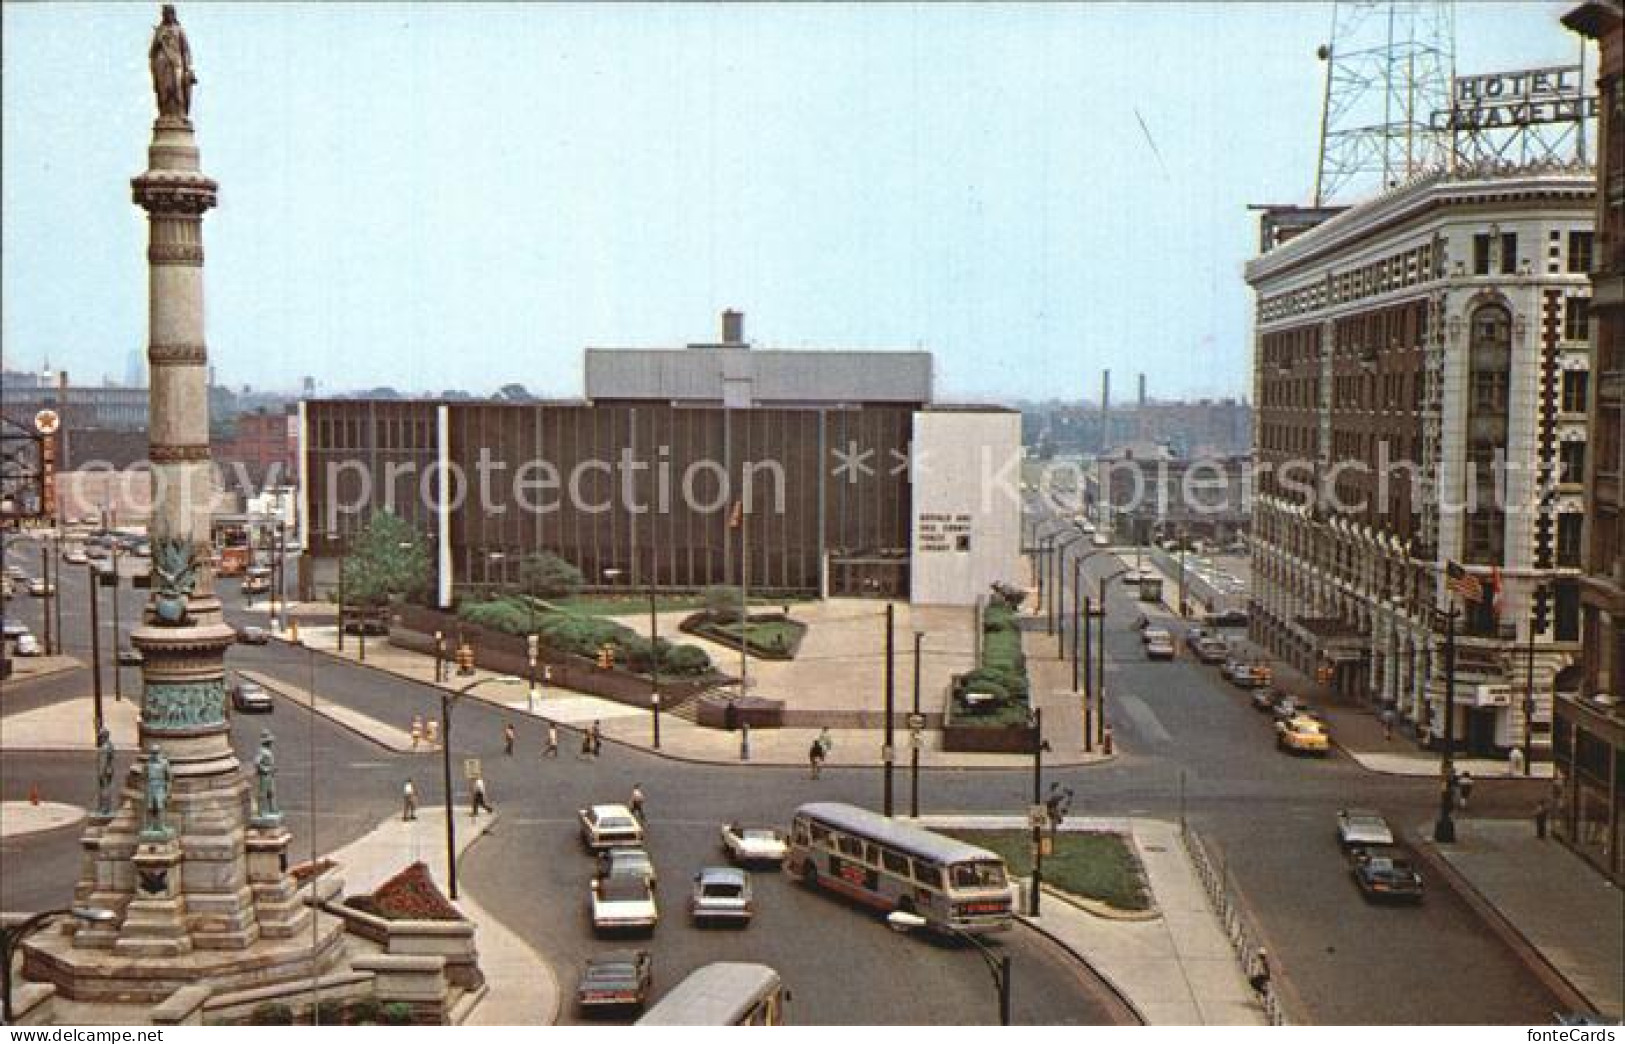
(1289, 707)
(1212, 650)
(623, 904)
(368, 625)
(1227, 618)
(722, 893)
(1244, 675)
(75, 556)
(1362, 828)
(130, 657)
(609, 826)
(12, 628)
(250, 697)
(26, 644)
(627, 862)
(1381, 875)
(16, 572)
(142, 550)
(747, 844)
(1160, 648)
(1264, 698)
(1302, 736)
(615, 979)
(41, 589)
(252, 635)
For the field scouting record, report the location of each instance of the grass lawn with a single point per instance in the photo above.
(1095, 866)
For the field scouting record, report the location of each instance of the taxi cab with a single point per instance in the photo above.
(1302, 735)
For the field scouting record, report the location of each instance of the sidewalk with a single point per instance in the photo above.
(69, 725)
(367, 727)
(1176, 968)
(1567, 912)
(521, 987)
(20, 818)
(27, 668)
(683, 740)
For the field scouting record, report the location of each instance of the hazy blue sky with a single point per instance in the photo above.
(434, 196)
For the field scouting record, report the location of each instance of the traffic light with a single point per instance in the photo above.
(1323, 674)
(606, 657)
(465, 659)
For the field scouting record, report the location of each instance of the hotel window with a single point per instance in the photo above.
(1572, 463)
(1481, 254)
(1576, 318)
(1567, 598)
(1570, 524)
(1580, 250)
(1509, 253)
(1574, 390)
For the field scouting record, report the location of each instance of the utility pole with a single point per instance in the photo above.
(1529, 702)
(914, 736)
(887, 751)
(118, 642)
(654, 665)
(1444, 831)
(45, 578)
(1038, 802)
(1088, 666)
(1077, 615)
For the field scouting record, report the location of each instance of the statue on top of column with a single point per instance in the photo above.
(171, 60)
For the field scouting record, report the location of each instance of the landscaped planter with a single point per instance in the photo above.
(707, 626)
(756, 711)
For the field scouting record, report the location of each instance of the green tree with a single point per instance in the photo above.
(543, 574)
(722, 603)
(385, 561)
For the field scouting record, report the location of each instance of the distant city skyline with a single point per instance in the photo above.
(433, 197)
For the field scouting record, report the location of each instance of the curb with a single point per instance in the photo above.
(314, 707)
(1526, 952)
(1053, 762)
(34, 676)
(80, 815)
(1104, 979)
(1095, 908)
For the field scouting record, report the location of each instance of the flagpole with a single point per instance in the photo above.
(1444, 830)
(744, 598)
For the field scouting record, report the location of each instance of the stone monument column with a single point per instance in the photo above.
(198, 883)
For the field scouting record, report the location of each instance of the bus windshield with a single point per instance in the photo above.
(978, 875)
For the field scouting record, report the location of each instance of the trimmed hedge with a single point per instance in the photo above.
(1002, 672)
(583, 635)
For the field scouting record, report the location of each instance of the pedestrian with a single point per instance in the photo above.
(409, 802)
(586, 746)
(1260, 979)
(815, 759)
(826, 742)
(507, 739)
(1542, 811)
(597, 738)
(1464, 787)
(417, 730)
(431, 732)
(552, 748)
(480, 800)
(1515, 762)
(635, 803)
(1387, 723)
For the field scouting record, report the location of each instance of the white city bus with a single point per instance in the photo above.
(723, 994)
(894, 866)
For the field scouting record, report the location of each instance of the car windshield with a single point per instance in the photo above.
(611, 970)
(760, 835)
(723, 889)
(614, 823)
(978, 875)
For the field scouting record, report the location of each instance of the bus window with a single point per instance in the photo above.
(820, 834)
(850, 846)
(801, 831)
(928, 874)
(871, 854)
(894, 863)
(978, 875)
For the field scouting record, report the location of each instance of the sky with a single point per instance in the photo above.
(432, 196)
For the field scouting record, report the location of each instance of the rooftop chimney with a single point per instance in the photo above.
(733, 327)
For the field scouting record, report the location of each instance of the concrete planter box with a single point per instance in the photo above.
(755, 711)
(451, 941)
(989, 739)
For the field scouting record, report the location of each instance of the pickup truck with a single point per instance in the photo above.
(1362, 828)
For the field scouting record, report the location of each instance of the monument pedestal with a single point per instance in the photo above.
(281, 912)
(155, 919)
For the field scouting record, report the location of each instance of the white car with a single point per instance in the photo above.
(75, 556)
(609, 826)
(749, 844)
(1362, 828)
(27, 645)
(625, 903)
(627, 862)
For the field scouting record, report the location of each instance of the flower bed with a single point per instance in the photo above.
(410, 895)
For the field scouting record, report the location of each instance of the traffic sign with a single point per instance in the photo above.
(46, 422)
(1037, 816)
(916, 722)
(471, 768)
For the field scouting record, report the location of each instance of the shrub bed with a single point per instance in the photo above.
(767, 636)
(582, 634)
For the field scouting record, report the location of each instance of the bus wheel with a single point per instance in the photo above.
(809, 874)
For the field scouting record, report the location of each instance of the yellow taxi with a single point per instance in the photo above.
(1301, 735)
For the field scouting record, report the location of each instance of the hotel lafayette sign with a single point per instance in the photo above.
(1516, 99)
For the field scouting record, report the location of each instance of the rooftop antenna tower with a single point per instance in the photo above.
(1389, 64)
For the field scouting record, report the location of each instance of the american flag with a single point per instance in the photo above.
(736, 516)
(1463, 583)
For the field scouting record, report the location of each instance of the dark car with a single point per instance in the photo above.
(128, 657)
(250, 697)
(1227, 618)
(253, 635)
(1381, 875)
(615, 979)
(365, 625)
(1264, 699)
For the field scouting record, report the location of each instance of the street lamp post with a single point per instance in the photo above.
(888, 751)
(1040, 745)
(1529, 701)
(95, 642)
(1059, 605)
(447, 697)
(654, 666)
(914, 735)
(998, 964)
(118, 642)
(1100, 658)
(12, 937)
(45, 578)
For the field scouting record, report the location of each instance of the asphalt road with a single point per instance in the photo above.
(1187, 742)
